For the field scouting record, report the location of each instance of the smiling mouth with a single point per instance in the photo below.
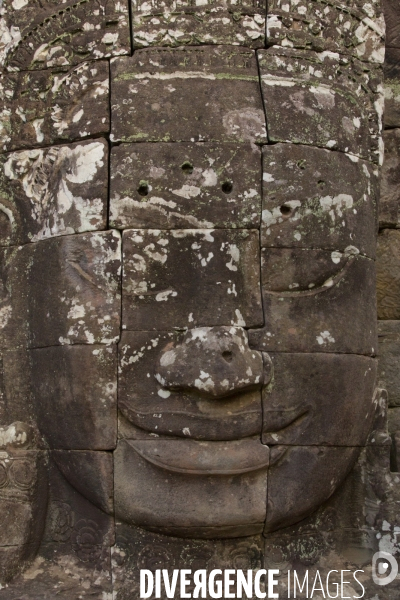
(285, 426)
(193, 457)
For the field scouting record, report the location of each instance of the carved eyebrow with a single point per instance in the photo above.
(85, 275)
(333, 281)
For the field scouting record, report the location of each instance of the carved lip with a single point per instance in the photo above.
(284, 426)
(204, 458)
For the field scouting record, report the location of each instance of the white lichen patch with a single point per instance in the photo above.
(52, 181)
(324, 338)
(336, 205)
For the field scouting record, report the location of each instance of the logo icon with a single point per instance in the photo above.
(384, 568)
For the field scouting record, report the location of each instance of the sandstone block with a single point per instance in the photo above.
(53, 191)
(211, 474)
(323, 101)
(389, 204)
(209, 94)
(314, 198)
(318, 399)
(171, 186)
(74, 284)
(389, 359)
(388, 283)
(41, 35)
(190, 277)
(322, 470)
(41, 108)
(317, 301)
(83, 379)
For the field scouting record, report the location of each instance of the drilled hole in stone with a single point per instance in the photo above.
(143, 188)
(285, 210)
(227, 187)
(187, 167)
(227, 355)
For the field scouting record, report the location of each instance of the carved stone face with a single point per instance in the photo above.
(199, 317)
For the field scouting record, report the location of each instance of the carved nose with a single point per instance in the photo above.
(211, 361)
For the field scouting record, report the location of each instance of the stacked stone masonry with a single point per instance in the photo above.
(188, 339)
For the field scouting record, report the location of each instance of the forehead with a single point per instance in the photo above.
(189, 154)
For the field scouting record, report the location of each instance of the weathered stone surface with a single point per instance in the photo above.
(137, 549)
(189, 277)
(23, 498)
(39, 108)
(322, 100)
(392, 87)
(74, 289)
(77, 535)
(75, 524)
(13, 323)
(16, 386)
(351, 27)
(389, 359)
(388, 282)
(232, 367)
(62, 574)
(208, 94)
(322, 470)
(389, 204)
(90, 473)
(23, 495)
(316, 399)
(74, 392)
(171, 23)
(179, 185)
(38, 34)
(225, 481)
(345, 531)
(55, 191)
(394, 419)
(317, 301)
(395, 452)
(314, 198)
(188, 408)
(392, 18)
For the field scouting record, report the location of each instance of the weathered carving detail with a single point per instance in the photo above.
(177, 23)
(56, 191)
(39, 108)
(350, 27)
(305, 205)
(187, 289)
(148, 470)
(23, 497)
(323, 100)
(46, 34)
